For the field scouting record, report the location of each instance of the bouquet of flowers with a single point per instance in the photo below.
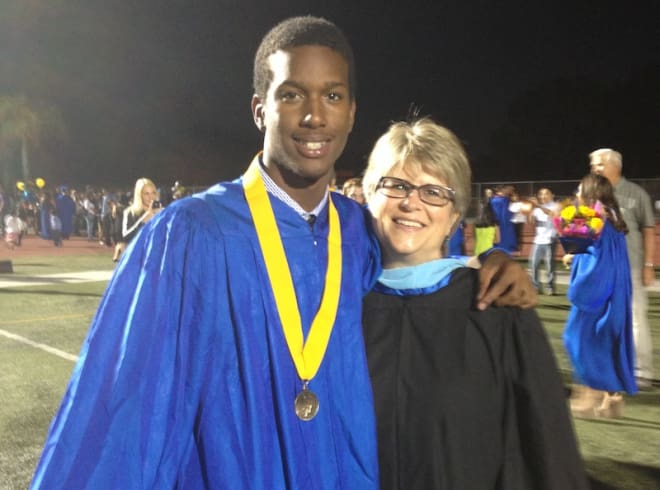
(578, 226)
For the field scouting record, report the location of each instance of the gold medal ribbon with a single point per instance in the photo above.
(307, 355)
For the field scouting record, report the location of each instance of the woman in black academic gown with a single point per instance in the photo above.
(465, 399)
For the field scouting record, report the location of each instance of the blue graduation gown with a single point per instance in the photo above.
(457, 241)
(500, 207)
(44, 220)
(185, 379)
(66, 208)
(598, 335)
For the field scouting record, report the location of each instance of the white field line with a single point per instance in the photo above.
(48, 279)
(44, 347)
(63, 278)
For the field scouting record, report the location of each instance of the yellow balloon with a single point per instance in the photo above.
(20, 186)
(40, 182)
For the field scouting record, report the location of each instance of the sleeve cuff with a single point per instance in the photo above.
(483, 255)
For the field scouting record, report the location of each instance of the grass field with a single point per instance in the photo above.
(619, 454)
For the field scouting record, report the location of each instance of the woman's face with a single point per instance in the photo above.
(410, 231)
(148, 195)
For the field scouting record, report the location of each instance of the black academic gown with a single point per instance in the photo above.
(466, 399)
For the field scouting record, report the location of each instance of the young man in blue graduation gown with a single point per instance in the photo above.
(194, 373)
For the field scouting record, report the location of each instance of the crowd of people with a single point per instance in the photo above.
(630, 211)
(109, 217)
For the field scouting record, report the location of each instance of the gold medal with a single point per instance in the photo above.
(306, 404)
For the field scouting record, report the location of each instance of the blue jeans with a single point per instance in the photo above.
(545, 253)
(90, 221)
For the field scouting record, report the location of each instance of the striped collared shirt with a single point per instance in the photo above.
(277, 191)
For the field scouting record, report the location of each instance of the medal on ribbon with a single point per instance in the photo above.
(307, 354)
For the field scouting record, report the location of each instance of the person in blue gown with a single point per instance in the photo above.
(456, 243)
(598, 335)
(46, 205)
(464, 399)
(66, 209)
(190, 376)
(499, 203)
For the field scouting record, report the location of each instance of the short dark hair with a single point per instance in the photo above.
(300, 31)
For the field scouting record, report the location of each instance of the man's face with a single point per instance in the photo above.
(601, 165)
(307, 113)
(545, 196)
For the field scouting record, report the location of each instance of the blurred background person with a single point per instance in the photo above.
(46, 205)
(352, 189)
(544, 244)
(598, 335)
(456, 243)
(178, 191)
(499, 202)
(486, 230)
(104, 218)
(519, 217)
(55, 227)
(26, 212)
(144, 207)
(115, 221)
(12, 230)
(79, 223)
(637, 212)
(90, 209)
(66, 210)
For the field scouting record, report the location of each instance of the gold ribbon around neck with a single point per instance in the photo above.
(307, 355)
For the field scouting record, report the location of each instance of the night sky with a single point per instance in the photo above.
(162, 88)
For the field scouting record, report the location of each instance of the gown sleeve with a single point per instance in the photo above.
(126, 420)
(541, 448)
(372, 266)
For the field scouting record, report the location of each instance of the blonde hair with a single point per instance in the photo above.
(350, 184)
(426, 146)
(137, 206)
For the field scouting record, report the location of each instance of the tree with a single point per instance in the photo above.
(24, 124)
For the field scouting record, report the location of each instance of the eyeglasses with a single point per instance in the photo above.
(435, 195)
